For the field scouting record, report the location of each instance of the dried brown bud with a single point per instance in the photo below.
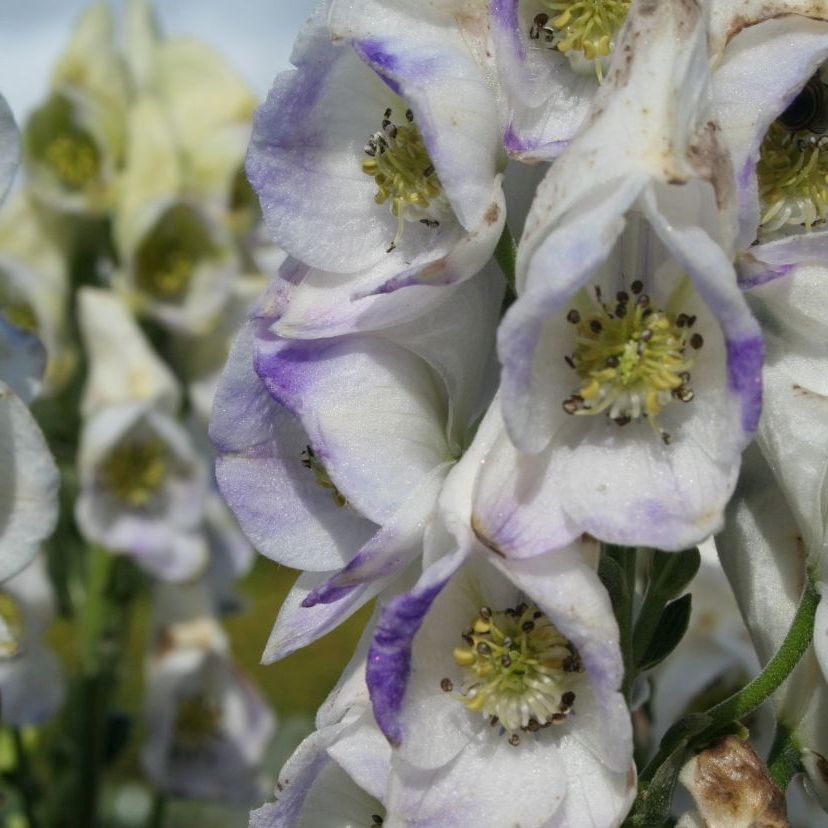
(732, 789)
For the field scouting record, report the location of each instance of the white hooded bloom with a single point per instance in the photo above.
(142, 483)
(552, 56)
(208, 728)
(375, 160)
(31, 680)
(74, 142)
(631, 362)
(494, 676)
(769, 93)
(332, 452)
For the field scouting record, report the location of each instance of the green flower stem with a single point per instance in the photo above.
(699, 728)
(103, 622)
(784, 760)
(506, 256)
(24, 779)
(159, 809)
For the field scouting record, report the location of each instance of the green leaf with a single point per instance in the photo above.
(671, 627)
(671, 572)
(614, 580)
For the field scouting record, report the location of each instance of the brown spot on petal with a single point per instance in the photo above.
(492, 214)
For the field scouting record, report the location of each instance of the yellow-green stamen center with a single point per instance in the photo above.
(630, 358)
(170, 254)
(583, 30)
(136, 470)
(312, 462)
(73, 158)
(197, 721)
(518, 670)
(11, 627)
(793, 164)
(402, 170)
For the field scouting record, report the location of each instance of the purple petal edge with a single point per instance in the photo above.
(383, 62)
(517, 145)
(389, 658)
(744, 368)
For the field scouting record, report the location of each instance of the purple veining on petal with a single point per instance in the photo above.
(382, 61)
(389, 657)
(287, 367)
(757, 276)
(744, 368)
(518, 145)
(272, 304)
(746, 173)
(504, 15)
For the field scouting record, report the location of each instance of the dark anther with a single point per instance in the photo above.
(538, 23)
(377, 819)
(612, 362)
(387, 113)
(682, 319)
(620, 310)
(637, 286)
(533, 726)
(430, 222)
(622, 421)
(537, 614)
(569, 362)
(390, 130)
(409, 115)
(521, 608)
(666, 438)
(557, 718)
(568, 699)
(646, 335)
(644, 300)
(485, 613)
(483, 648)
(507, 642)
(446, 685)
(514, 740)
(572, 664)
(573, 316)
(696, 341)
(493, 720)
(684, 394)
(622, 297)
(595, 326)
(506, 661)
(428, 170)
(528, 626)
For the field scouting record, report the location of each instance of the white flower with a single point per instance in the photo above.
(631, 363)
(74, 142)
(177, 258)
(373, 247)
(769, 89)
(31, 679)
(512, 684)
(552, 56)
(28, 475)
(332, 452)
(208, 728)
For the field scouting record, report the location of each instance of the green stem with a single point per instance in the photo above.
(784, 762)
(24, 779)
(751, 696)
(159, 808)
(506, 256)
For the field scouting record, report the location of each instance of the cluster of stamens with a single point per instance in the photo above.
(320, 474)
(580, 28)
(631, 358)
(402, 170)
(168, 257)
(518, 670)
(73, 158)
(135, 471)
(793, 179)
(11, 627)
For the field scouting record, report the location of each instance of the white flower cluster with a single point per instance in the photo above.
(400, 422)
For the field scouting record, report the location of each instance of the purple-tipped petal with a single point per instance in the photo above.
(389, 657)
